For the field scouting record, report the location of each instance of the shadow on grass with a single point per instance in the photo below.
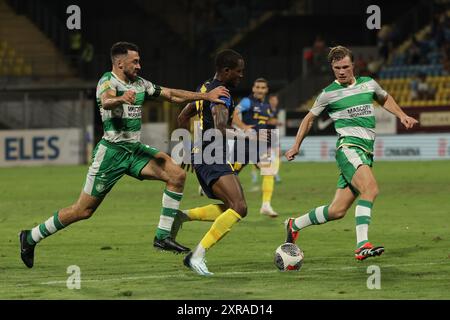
(408, 251)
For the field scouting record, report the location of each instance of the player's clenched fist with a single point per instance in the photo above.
(291, 153)
(408, 122)
(128, 97)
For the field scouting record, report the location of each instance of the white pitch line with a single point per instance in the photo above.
(233, 273)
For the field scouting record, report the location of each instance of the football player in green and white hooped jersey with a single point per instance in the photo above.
(120, 96)
(349, 102)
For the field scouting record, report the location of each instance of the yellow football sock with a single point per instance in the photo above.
(220, 227)
(267, 188)
(206, 213)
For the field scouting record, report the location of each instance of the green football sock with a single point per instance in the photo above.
(318, 215)
(170, 204)
(45, 229)
(363, 217)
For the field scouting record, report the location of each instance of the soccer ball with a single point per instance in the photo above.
(288, 257)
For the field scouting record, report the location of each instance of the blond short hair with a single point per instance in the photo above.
(338, 53)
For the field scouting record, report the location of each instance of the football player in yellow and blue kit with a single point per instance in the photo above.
(255, 113)
(274, 123)
(217, 178)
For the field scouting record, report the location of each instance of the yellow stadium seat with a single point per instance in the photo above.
(5, 70)
(19, 61)
(27, 71)
(17, 71)
(408, 103)
(422, 103)
(10, 53)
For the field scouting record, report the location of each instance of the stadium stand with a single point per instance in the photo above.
(25, 51)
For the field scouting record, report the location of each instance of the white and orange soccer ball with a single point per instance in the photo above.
(289, 257)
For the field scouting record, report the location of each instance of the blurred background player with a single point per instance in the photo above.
(255, 113)
(120, 95)
(273, 124)
(218, 180)
(349, 102)
(274, 102)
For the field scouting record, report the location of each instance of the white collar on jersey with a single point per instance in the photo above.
(115, 76)
(350, 85)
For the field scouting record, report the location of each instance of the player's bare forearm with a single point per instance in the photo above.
(110, 101)
(182, 96)
(303, 130)
(392, 106)
(220, 115)
(185, 115)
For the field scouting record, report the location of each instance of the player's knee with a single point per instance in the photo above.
(84, 213)
(240, 207)
(178, 178)
(371, 190)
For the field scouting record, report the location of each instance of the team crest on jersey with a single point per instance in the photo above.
(100, 187)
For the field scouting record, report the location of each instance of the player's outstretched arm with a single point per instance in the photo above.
(302, 132)
(185, 115)
(110, 100)
(181, 96)
(392, 106)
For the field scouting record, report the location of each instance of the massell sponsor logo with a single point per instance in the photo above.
(359, 111)
(402, 152)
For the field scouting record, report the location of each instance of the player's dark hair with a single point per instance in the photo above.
(227, 59)
(338, 53)
(120, 48)
(263, 80)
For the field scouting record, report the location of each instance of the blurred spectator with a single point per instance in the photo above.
(373, 66)
(319, 51)
(413, 55)
(88, 53)
(420, 89)
(438, 26)
(361, 66)
(308, 57)
(75, 41)
(383, 42)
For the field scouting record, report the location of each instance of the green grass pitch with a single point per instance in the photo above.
(113, 249)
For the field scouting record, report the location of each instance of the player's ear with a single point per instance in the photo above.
(119, 62)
